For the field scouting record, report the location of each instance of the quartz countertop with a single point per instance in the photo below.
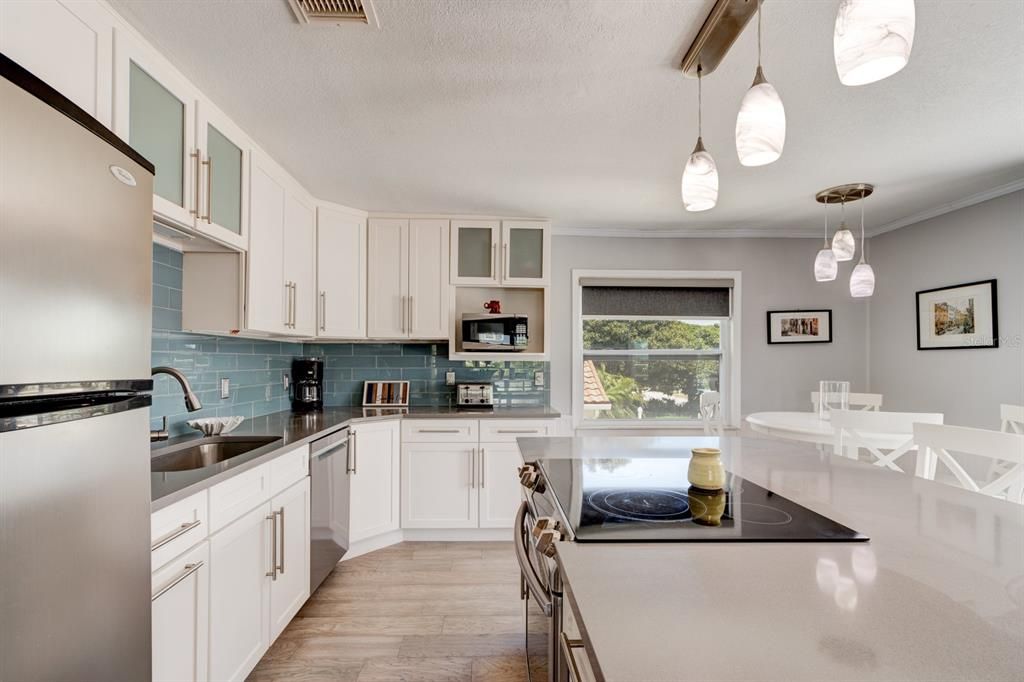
(937, 593)
(296, 428)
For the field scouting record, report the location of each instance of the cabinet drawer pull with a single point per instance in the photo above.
(567, 646)
(195, 185)
(323, 311)
(437, 430)
(175, 534)
(518, 430)
(280, 566)
(472, 469)
(483, 478)
(209, 189)
(272, 573)
(189, 570)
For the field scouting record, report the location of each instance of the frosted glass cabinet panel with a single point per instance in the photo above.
(525, 252)
(224, 179)
(474, 251)
(157, 131)
(225, 168)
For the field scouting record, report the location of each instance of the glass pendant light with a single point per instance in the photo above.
(700, 177)
(843, 243)
(825, 266)
(761, 121)
(872, 39)
(862, 279)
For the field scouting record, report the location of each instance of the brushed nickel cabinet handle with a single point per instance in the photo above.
(437, 430)
(412, 324)
(355, 453)
(209, 188)
(483, 470)
(280, 566)
(287, 302)
(348, 453)
(506, 264)
(295, 304)
(188, 570)
(323, 311)
(472, 469)
(195, 185)
(175, 534)
(518, 430)
(272, 573)
(494, 257)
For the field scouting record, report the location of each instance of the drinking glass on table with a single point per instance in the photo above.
(832, 395)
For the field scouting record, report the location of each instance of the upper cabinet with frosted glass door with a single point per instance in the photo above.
(200, 156)
(525, 253)
(505, 253)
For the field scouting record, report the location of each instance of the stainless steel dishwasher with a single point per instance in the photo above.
(329, 465)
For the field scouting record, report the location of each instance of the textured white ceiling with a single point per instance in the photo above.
(575, 109)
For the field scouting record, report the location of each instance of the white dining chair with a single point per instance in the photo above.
(865, 401)
(711, 412)
(1011, 418)
(886, 436)
(938, 443)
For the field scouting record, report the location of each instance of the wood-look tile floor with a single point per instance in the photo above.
(416, 611)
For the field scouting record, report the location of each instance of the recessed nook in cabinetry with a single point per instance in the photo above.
(532, 302)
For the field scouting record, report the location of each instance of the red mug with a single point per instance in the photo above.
(493, 306)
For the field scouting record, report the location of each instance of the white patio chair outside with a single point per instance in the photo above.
(886, 436)
(938, 443)
(864, 401)
(711, 412)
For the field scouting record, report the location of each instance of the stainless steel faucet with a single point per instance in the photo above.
(191, 399)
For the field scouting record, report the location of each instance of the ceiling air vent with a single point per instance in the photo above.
(335, 12)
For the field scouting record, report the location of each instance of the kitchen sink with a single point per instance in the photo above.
(206, 452)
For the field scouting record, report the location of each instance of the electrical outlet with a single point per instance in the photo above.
(449, 378)
(286, 381)
(225, 388)
(266, 392)
(538, 378)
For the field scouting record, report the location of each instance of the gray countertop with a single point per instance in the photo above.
(937, 593)
(297, 428)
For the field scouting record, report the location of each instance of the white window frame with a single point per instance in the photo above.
(729, 346)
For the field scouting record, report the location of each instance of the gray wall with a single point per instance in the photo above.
(979, 242)
(777, 274)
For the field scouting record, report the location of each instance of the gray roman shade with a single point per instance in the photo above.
(658, 301)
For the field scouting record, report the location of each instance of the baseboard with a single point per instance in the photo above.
(427, 535)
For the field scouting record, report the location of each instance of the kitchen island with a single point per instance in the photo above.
(936, 594)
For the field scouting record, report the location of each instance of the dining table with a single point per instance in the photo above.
(809, 427)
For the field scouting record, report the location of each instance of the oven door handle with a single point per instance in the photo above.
(540, 595)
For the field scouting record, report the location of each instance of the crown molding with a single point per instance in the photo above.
(784, 233)
(949, 207)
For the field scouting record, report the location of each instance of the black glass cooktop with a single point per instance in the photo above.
(650, 500)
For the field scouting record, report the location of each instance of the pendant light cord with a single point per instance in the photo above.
(862, 230)
(758, 33)
(826, 223)
(700, 101)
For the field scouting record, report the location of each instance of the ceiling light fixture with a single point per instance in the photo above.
(825, 266)
(700, 177)
(872, 39)
(862, 279)
(761, 121)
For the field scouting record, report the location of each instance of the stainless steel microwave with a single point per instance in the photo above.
(495, 333)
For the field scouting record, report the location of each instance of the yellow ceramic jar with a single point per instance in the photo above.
(706, 469)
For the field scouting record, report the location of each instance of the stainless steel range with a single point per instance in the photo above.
(625, 498)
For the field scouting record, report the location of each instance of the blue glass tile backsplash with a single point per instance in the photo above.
(256, 368)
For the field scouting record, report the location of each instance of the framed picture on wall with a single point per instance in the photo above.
(959, 316)
(799, 326)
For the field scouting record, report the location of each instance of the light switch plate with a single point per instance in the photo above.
(449, 378)
(538, 378)
(225, 388)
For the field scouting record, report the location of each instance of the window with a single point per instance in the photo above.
(646, 350)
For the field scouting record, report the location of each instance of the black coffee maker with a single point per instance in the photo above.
(307, 384)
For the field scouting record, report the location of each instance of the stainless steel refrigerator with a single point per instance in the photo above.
(75, 290)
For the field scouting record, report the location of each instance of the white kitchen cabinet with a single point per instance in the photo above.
(155, 112)
(341, 272)
(289, 586)
(224, 182)
(181, 608)
(387, 279)
(67, 44)
(428, 279)
(407, 279)
(509, 253)
(500, 490)
(439, 485)
(299, 251)
(373, 479)
(240, 594)
(281, 286)
(474, 252)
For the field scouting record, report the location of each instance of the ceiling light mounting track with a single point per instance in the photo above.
(723, 26)
(844, 194)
